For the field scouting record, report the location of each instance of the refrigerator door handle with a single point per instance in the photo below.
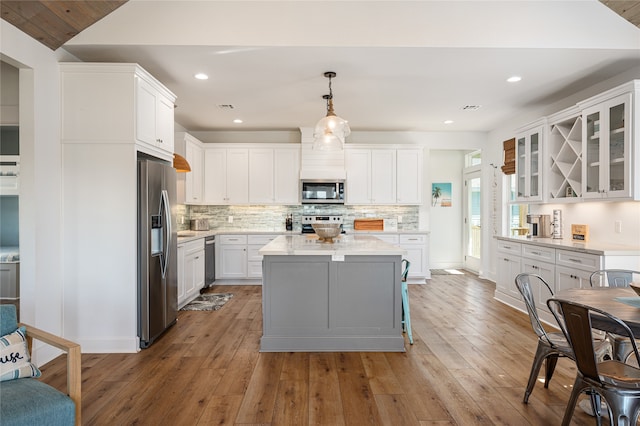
(167, 218)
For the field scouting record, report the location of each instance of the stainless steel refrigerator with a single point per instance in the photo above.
(157, 249)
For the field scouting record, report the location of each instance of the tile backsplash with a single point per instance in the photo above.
(272, 218)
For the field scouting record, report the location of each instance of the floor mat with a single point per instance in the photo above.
(208, 302)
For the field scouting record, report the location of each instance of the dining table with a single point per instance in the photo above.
(621, 302)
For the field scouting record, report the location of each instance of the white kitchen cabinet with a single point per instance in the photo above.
(529, 164)
(191, 261)
(409, 176)
(117, 103)
(254, 259)
(191, 148)
(371, 176)
(237, 256)
(417, 247)
(508, 265)
(232, 259)
(383, 176)
(561, 266)
(226, 176)
(607, 149)
(565, 154)
(274, 175)
(154, 116)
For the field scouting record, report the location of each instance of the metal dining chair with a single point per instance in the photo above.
(552, 345)
(622, 351)
(618, 383)
(406, 314)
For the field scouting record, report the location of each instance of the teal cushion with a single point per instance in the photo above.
(8, 319)
(31, 402)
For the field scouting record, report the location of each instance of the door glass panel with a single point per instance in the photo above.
(593, 152)
(521, 149)
(616, 148)
(533, 186)
(473, 248)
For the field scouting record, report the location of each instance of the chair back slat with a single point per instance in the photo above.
(614, 278)
(523, 283)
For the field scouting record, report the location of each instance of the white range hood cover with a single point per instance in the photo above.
(320, 165)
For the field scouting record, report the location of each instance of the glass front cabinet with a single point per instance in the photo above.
(607, 152)
(528, 164)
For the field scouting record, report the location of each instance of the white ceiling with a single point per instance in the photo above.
(401, 65)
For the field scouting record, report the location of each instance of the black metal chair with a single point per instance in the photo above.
(406, 314)
(618, 383)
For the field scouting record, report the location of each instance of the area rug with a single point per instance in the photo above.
(208, 302)
(446, 272)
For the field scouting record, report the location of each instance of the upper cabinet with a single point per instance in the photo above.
(274, 175)
(192, 150)
(593, 151)
(565, 153)
(383, 175)
(529, 163)
(116, 103)
(607, 168)
(226, 176)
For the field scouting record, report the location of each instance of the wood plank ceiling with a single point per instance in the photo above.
(53, 23)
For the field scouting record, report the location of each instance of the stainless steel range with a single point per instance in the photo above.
(307, 221)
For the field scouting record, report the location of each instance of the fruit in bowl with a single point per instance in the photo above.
(327, 231)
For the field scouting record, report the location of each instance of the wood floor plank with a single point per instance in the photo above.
(469, 365)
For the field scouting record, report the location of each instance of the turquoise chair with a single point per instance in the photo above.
(28, 401)
(406, 315)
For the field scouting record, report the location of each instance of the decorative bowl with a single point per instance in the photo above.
(327, 231)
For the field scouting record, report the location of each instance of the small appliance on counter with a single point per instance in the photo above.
(288, 222)
(556, 224)
(539, 225)
(308, 221)
(199, 224)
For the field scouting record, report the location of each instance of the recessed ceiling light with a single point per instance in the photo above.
(471, 107)
(514, 79)
(201, 76)
(448, 121)
(237, 121)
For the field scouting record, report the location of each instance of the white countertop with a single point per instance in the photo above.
(597, 248)
(345, 244)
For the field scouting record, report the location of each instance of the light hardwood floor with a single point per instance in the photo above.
(469, 366)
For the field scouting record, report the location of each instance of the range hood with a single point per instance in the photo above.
(320, 165)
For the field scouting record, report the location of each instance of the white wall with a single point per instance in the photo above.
(40, 185)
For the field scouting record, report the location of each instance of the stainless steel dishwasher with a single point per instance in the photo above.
(209, 260)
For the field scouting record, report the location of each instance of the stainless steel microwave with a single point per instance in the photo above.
(322, 192)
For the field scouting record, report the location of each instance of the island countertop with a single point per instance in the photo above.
(310, 245)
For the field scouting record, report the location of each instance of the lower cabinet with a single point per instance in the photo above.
(237, 256)
(417, 247)
(561, 268)
(190, 270)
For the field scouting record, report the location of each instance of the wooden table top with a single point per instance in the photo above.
(604, 298)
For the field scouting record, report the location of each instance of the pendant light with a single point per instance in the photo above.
(330, 132)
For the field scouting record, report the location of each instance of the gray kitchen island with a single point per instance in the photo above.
(331, 297)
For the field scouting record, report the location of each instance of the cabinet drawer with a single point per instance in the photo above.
(388, 238)
(510, 247)
(412, 239)
(261, 239)
(252, 253)
(232, 239)
(539, 253)
(254, 269)
(194, 245)
(586, 262)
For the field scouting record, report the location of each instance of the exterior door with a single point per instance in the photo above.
(472, 221)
